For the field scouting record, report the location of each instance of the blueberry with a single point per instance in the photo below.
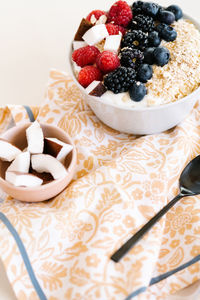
(144, 72)
(166, 32)
(166, 17)
(159, 10)
(177, 11)
(137, 91)
(148, 56)
(161, 56)
(154, 39)
(150, 8)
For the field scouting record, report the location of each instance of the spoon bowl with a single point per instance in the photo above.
(190, 178)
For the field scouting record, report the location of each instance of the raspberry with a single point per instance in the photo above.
(85, 55)
(112, 29)
(115, 29)
(107, 61)
(96, 13)
(122, 29)
(120, 13)
(88, 74)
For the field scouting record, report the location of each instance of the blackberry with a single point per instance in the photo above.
(131, 57)
(137, 7)
(135, 39)
(141, 22)
(120, 80)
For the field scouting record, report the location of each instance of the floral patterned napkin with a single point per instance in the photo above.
(61, 248)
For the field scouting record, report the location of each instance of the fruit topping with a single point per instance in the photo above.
(95, 34)
(88, 74)
(120, 80)
(166, 17)
(8, 151)
(145, 8)
(95, 15)
(131, 57)
(112, 43)
(48, 164)
(57, 148)
(35, 138)
(84, 26)
(166, 32)
(21, 163)
(137, 91)
(107, 61)
(85, 56)
(135, 33)
(153, 39)
(115, 29)
(135, 39)
(148, 55)
(177, 11)
(96, 88)
(23, 179)
(150, 8)
(137, 7)
(144, 73)
(161, 56)
(141, 22)
(120, 13)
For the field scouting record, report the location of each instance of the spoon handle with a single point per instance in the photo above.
(136, 237)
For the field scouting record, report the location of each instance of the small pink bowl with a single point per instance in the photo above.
(17, 136)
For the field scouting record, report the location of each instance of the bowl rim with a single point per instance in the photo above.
(53, 182)
(136, 109)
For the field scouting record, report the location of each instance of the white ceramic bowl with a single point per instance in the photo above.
(142, 121)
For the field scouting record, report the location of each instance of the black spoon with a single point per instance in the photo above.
(189, 185)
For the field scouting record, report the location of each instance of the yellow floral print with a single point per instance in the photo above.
(45, 110)
(92, 261)
(180, 219)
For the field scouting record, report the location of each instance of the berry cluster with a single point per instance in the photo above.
(142, 27)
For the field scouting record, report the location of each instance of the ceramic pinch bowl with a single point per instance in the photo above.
(17, 136)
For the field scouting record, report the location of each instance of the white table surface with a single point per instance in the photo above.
(35, 37)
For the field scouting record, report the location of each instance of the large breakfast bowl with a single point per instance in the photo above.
(144, 120)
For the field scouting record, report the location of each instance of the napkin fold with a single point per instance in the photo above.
(61, 248)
